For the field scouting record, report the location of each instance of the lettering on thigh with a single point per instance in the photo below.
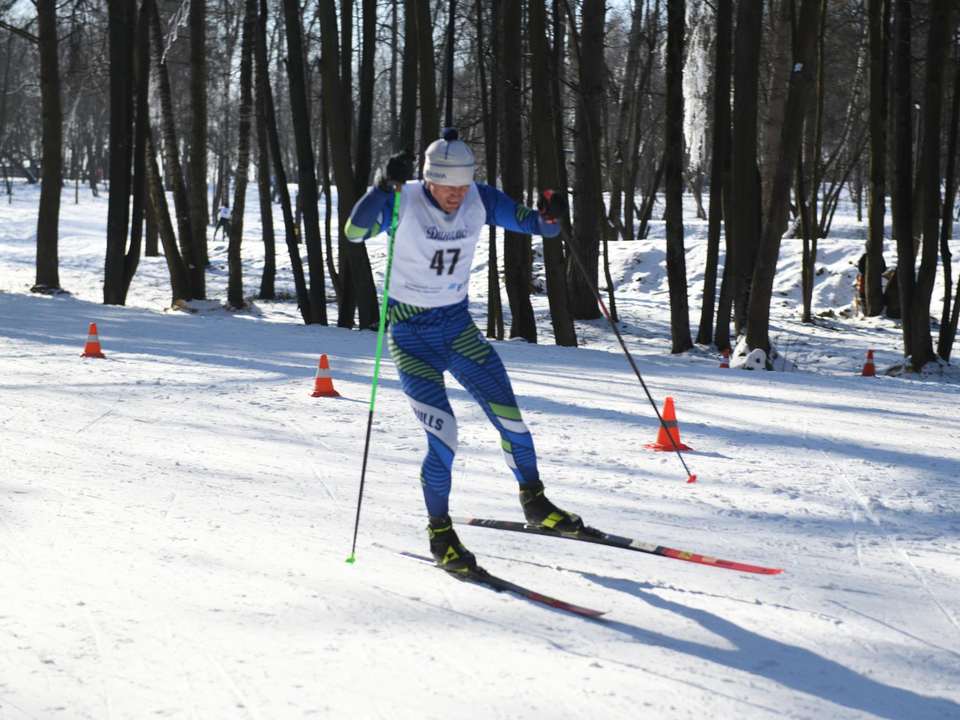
(437, 422)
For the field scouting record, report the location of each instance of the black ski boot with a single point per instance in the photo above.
(446, 547)
(541, 512)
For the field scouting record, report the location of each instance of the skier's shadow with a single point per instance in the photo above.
(787, 665)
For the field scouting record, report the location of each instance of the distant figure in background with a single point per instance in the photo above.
(223, 222)
(860, 299)
(891, 294)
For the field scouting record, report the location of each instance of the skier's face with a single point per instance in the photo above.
(448, 197)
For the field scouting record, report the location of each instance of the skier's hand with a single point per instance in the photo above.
(547, 228)
(552, 205)
(397, 170)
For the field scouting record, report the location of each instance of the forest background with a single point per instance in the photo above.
(771, 109)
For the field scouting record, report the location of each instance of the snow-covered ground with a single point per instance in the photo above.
(174, 519)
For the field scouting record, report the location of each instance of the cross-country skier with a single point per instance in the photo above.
(431, 330)
(223, 222)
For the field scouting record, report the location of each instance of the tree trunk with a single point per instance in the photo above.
(394, 51)
(345, 65)
(877, 124)
(121, 28)
(948, 327)
(646, 212)
(172, 154)
(490, 108)
(141, 77)
(587, 191)
(902, 196)
(721, 150)
(429, 110)
(267, 280)
(547, 173)
(408, 80)
(810, 231)
(197, 168)
(557, 80)
(629, 98)
(48, 217)
(744, 181)
(517, 253)
(673, 179)
(328, 204)
(809, 252)
(151, 229)
(234, 264)
(356, 277)
(781, 20)
(801, 81)
(280, 175)
(179, 276)
(940, 35)
(306, 176)
(365, 120)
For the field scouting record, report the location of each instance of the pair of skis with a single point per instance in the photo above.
(588, 534)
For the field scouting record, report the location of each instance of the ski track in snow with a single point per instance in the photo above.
(174, 519)
(893, 544)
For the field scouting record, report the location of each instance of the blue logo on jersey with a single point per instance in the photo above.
(434, 233)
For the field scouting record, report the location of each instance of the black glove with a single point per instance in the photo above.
(397, 170)
(552, 204)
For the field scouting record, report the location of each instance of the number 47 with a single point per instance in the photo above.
(437, 262)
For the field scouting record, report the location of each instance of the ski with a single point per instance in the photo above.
(589, 534)
(479, 576)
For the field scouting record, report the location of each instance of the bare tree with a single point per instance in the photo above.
(268, 278)
(172, 155)
(547, 173)
(121, 29)
(878, 156)
(517, 252)
(589, 212)
(940, 32)
(744, 174)
(408, 79)
(290, 229)
(721, 158)
(673, 179)
(429, 110)
(235, 277)
(358, 291)
(179, 275)
(48, 218)
(305, 162)
(801, 81)
(489, 102)
(948, 320)
(903, 168)
(197, 167)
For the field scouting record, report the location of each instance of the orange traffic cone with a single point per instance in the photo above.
(669, 423)
(869, 369)
(725, 363)
(92, 348)
(323, 386)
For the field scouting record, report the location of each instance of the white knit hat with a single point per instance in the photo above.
(449, 161)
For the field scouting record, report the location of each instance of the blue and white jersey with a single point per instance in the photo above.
(433, 250)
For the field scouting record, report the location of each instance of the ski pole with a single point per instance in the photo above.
(596, 293)
(376, 368)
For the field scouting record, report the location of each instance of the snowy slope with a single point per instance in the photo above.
(174, 519)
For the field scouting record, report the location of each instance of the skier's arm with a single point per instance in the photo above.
(510, 215)
(368, 214)
(376, 207)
